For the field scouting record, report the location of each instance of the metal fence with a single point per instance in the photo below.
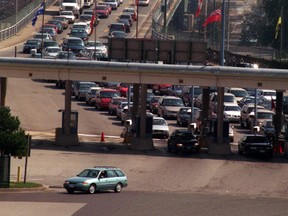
(12, 25)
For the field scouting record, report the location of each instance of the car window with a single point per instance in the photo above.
(111, 174)
(88, 173)
(119, 173)
(159, 122)
(173, 102)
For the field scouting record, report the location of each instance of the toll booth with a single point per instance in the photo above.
(73, 122)
(149, 125)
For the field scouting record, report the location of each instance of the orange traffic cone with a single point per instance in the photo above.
(102, 137)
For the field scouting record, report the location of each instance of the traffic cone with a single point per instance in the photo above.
(102, 137)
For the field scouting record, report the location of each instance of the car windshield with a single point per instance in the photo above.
(88, 173)
(76, 42)
(239, 93)
(109, 94)
(228, 98)
(101, 8)
(256, 139)
(159, 122)
(53, 49)
(32, 42)
(269, 93)
(185, 135)
(232, 108)
(261, 115)
(173, 102)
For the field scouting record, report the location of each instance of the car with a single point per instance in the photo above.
(126, 113)
(74, 44)
(160, 128)
(143, 2)
(118, 34)
(181, 141)
(82, 25)
(266, 93)
(159, 87)
(232, 112)
(98, 178)
(255, 144)
(49, 25)
(267, 128)
(262, 114)
(169, 106)
(64, 21)
(92, 54)
(120, 108)
(123, 89)
(239, 93)
(228, 98)
(106, 4)
(57, 23)
(81, 89)
(49, 30)
(89, 19)
(51, 51)
(114, 3)
(30, 44)
(50, 43)
(131, 11)
(115, 101)
(126, 23)
(104, 97)
(245, 112)
(102, 11)
(153, 104)
(91, 94)
(101, 49)
(80, 33)
(69, 55)
(186, 94)
(183, 117)
(128, 17)
(116, 27)
(246, 100)
(43, 36)
(68, 15)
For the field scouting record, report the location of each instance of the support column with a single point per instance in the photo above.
(3, 90)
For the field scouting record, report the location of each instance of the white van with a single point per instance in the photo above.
(88, 3)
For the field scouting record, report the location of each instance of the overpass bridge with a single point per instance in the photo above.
(142, 74)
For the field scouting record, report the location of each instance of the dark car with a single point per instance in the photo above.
(267, 128)
(255, 144)
(32, 44)
(81, 33)
(184, 115)
(128, 17)
(126, 23)
(66, 55)
(75, 44)
(183, 141)
(49, 43)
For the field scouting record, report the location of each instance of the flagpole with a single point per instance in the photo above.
(43, 17)
(281, 33)
(95, 35)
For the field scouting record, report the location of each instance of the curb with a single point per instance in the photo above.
(41, 188)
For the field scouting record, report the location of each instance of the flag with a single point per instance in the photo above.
(92, 23)
(40, 11)
(215, 16)
(199, 8)
(278, 26)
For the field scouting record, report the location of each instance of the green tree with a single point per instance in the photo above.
(13, 140)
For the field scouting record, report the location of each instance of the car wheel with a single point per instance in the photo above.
(70, 191)
(92, 189)
(118, 188)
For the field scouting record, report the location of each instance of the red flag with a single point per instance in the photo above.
(199, 8)
(92, 20)
(215, 16)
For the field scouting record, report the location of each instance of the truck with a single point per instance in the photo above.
(76, 6)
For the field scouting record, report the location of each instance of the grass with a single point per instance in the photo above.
(24, 185)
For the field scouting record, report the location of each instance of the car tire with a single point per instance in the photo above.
(92, 189)
(118, 188)
(70, 191)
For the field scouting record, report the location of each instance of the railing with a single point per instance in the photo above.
(12, 25)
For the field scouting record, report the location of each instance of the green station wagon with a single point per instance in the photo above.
(99, 178)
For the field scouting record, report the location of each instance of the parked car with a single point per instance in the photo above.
(169, 106)
(181, 141)
(91, 94)
(104, 97)
(255, 144)
(114, 103)
(97, 178)
(160, 128)
(32, 44)
(81, 88)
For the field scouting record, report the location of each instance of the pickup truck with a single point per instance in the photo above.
(76, 6)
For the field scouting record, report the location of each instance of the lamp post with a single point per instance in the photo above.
(94, 26)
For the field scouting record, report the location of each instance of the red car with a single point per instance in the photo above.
(123, 89)
(104, 97)
(132, 11)
(102, 11)
(114, 103)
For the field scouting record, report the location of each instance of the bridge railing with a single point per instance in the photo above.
(13, 24)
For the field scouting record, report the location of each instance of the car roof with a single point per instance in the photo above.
(106, 168)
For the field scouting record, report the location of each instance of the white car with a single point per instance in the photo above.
(160, 128)
(91, 94)
(51, 51)
(69, 15)
(143, 2)
(232, 112)
(82, 25)
(266, 93)
(239, 93)
(100, 47)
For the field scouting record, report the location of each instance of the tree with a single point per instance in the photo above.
(13, 140)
